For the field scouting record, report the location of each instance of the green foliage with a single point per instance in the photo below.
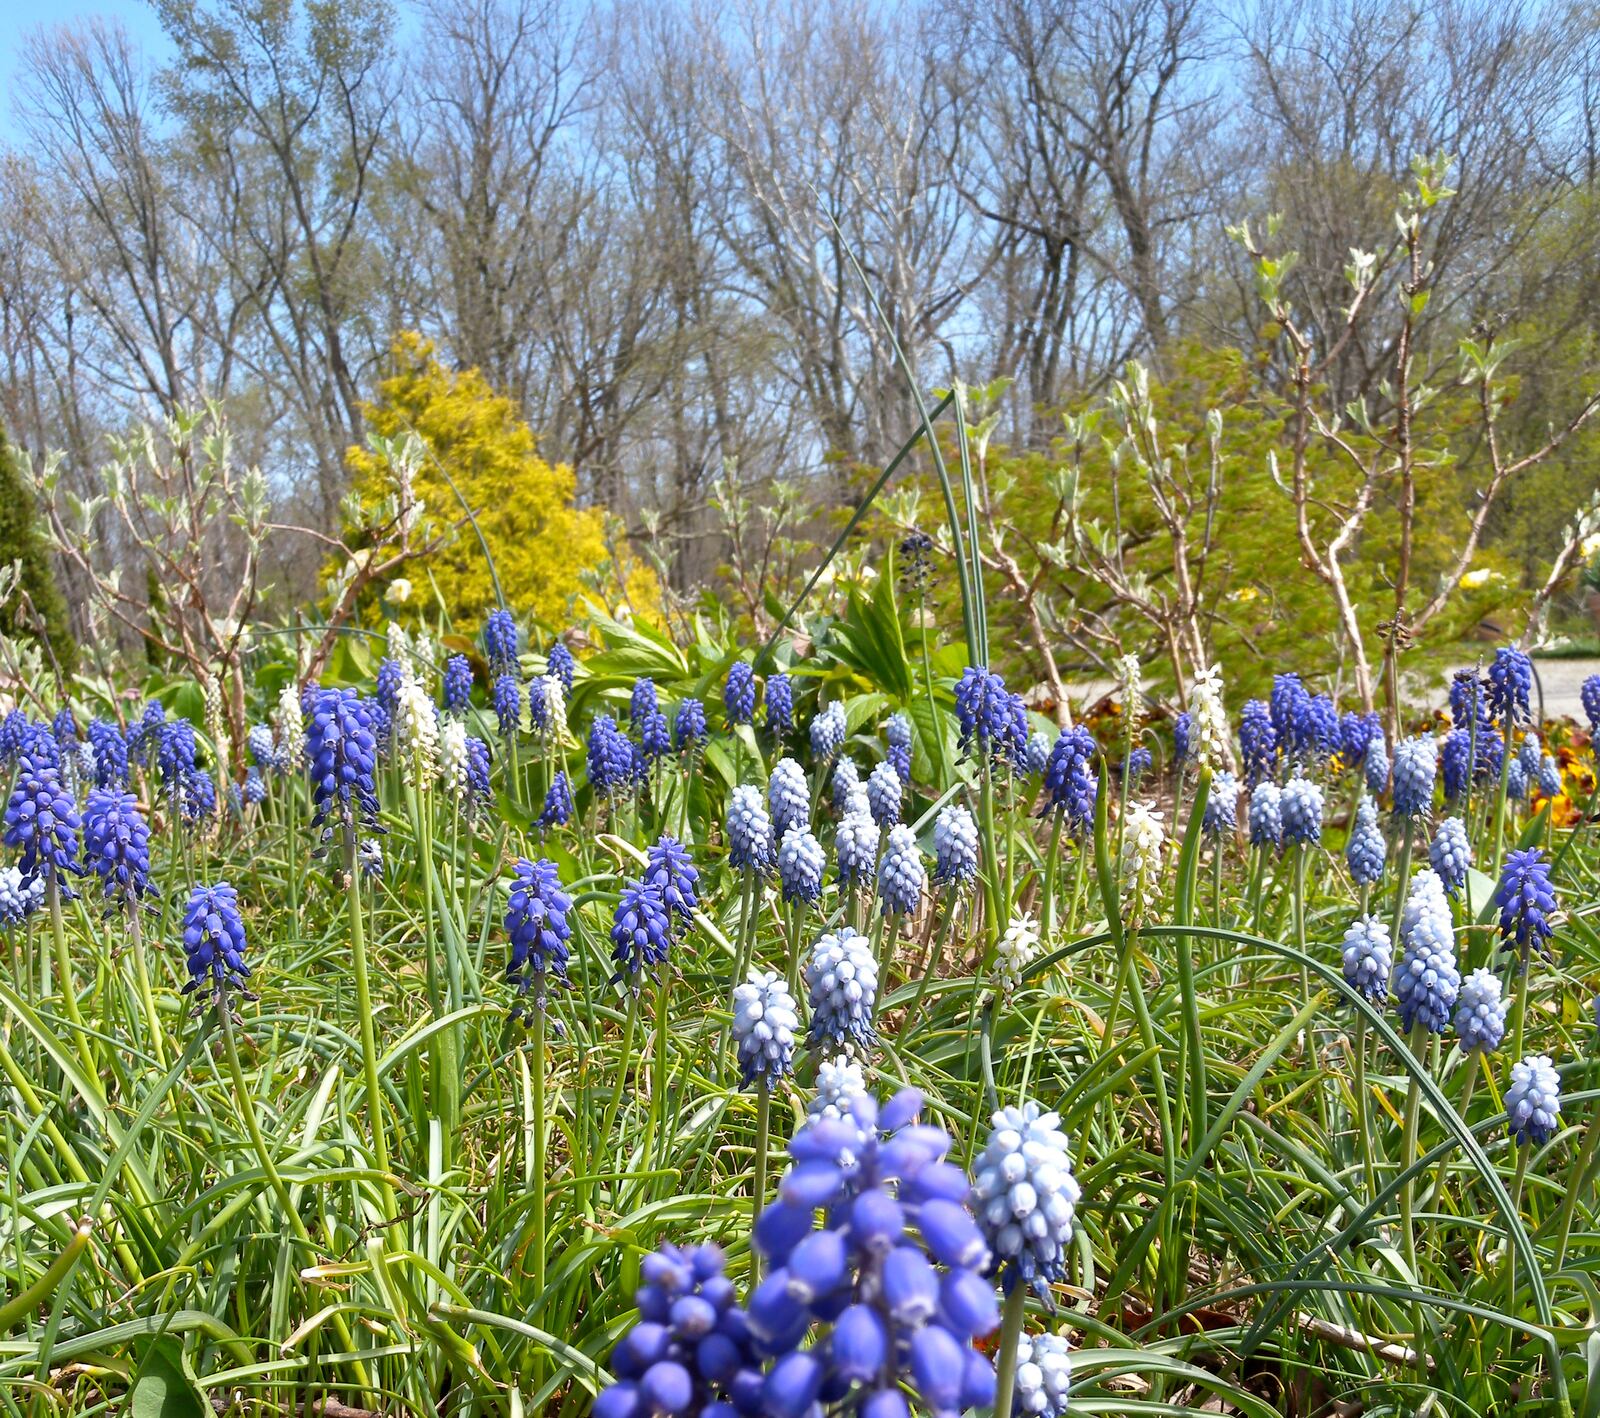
(481, 457)
(21, 543)
(1265, 607)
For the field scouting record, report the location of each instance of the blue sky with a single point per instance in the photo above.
(19, 18)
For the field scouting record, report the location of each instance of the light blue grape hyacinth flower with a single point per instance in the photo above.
(883, 794)
(856, 846)
(1365, 852)
(1533, 1101)
(800, 866)
(955, 847)
(1480, 1013)
(1416, 764)
(1222, 806)
(1368, 958)
(788, 796)
(1450, 854)
(750, 844)
(842, 987)
(901, 875)
(1266, 816)
(1301, 805)
(1428, 981)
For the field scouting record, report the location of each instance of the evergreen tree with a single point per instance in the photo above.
(20, 541)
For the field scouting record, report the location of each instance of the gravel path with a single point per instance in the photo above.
(1561, 681)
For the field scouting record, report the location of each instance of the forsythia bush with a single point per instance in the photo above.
(542, 545)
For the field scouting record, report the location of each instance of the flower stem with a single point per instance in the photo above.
(1005, 1384)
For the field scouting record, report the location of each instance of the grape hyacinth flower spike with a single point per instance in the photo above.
(1258, 741)
(739, 693)
(671, 870)
(1428, 981)
(780, 705)
(500, 641)
(801, 863)
(41, 821)
(1221, 816)
(856, 843)
(689, 726)
(1510, 684)
(890, 1290)
(1480, 1013)
(214, 944)
(111, 754)
(1450, 854)
(1070, 785)
(1416, 762)
(116, 843)
(1368, 958)
(1526, 900)
(1025, 1197)
(641, 933)
(749, 831)
(557, 809)
(842, 987)
(1366, 850)
(1044, 1376)
(609, 756)
(457, 684)
(691, 1351)
(537, 925)
(20, 896)
(1589, 697)
(765, 1022)
(1375, 764)
(955, 847)
(559, 662)
(1533, 1101)
(1266, 816)
(827, 732)
(788, 796)
(341, 757)
(883, 794)
(901, 875)
(1301, 804)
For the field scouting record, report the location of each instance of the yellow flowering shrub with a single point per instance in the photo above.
(542, 544)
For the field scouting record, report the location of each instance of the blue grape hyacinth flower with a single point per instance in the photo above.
(1301, 806)
(691, 1351)
(1288, 705)
(643, 702)
(501, 641)
(1510, 684)
(1368, 958)
(1366, 850)
(557, 810)
(1043, 1384)
(1549, 777)
(842, 987)
(689, 725)
(890, 1290)
(20, 896)
(1069, 782)
(1533, 1101)
(671, 870)
(116, 845)
(1589, 697)
(883, 794)
(1526, 900)
(1455, 764)
(1375, 768)
(844, 785)
(457, 684)
(801, 863)
(1258, 741)
(110, 754)
(1222, 806)
(1182, 732)
(739, 693)
(341, 759)
(1266, 815)
(780, 704)
(538, 926)
(1480, 1013)
(641, 932)
(559, 662)
(983, 710)
(41, 821)
(1318, 732)
(506, 695)
(213, 942)
(1135, 766)
(609, 756)
(855, 843)
(827, 732)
